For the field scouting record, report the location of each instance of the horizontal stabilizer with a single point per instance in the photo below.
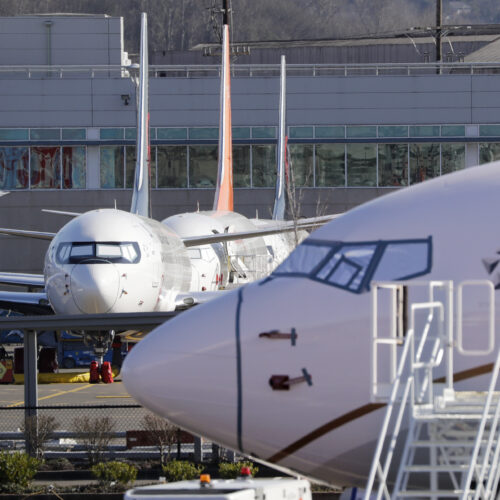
(61, 212)
(22, 279)
(275, 227)
(39, 235)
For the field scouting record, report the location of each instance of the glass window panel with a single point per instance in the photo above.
(14, 134)
(330, 132)
(130, 159)
(393, 131)
(202, 166)
(74, 167)
(489, 151)
(14, 167)
(172, 134)
(172, 166)
(302, 164)
(330, 165)
(300, 132)
(204, 133)
(131, 134)
(241, 165)
(304, 259)
(453, 130)
(452, 157)
(491, 130)
(362, 131)
(263, 132)
(45, 167)
(264, 165)
(241, 132)
(152, 133)
(45, 134)
(112, 163)
(424, 162)
(111, 133)
(424, 131)
(393, 164)
(402, 260)
(74, 134)
(361, 164)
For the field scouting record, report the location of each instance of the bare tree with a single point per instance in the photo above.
(37, 431)
(162, 432)
(96, 433)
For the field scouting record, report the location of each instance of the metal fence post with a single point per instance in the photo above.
(30, 386)
(198, 452)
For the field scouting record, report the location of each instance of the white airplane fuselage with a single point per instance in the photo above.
(209, 369)
(110, 261)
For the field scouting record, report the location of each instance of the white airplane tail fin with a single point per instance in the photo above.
(281, 174)
(140, 198)
(224, 188)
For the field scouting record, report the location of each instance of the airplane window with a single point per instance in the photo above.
(304, 259)
(129, 252)
(402, 261)
(194, 253)
(352, 266)
(108, 251)
(82, 250)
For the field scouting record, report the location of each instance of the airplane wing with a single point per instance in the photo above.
(22, 279)
(25, 302)
(275, 227)
(27, 234)
(61, 212)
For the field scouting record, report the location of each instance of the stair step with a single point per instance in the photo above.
(431, 493)
(446, 444)
(436, 468)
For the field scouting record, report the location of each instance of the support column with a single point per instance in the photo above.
(30, 381)
(198, 452)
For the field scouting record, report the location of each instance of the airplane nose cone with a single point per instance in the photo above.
(95, 287)
(186, 370)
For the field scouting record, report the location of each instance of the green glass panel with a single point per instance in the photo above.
(452, 157)
(264, 165)
(241, 165)
(204, 133)
(45, 167)
(424, 131)
(393, 164)
(14, 134)
(330, 165)
(74, 134)
(107, 134)
(424, 162)
(263, 132)
(171, 134)
(202, 166)
(489, 151)
(489, 130)
(393, 131)
(300, 132)
(361, 131)
(172, 166)
(14, 167)
(330, 132)
(361, 164)
(301, 164)
(453, 130)
(131, 134)
(74, 167)
(130, 159)
(45, 134)
(241, 132)
(152, 133)
(112, 166)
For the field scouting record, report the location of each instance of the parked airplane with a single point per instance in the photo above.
(211, 369)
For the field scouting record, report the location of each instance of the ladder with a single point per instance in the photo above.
(435, 442)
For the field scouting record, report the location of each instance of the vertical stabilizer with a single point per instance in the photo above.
(279, 198)
(140, 197)
(224, 189)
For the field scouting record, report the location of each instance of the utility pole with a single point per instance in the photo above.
(439, 21)
(226, 11)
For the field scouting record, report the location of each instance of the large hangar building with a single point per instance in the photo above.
(364, 117)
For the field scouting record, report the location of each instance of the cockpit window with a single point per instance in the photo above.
(98, 253)
(352, 266)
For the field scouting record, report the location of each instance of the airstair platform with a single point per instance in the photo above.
(437, 441)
